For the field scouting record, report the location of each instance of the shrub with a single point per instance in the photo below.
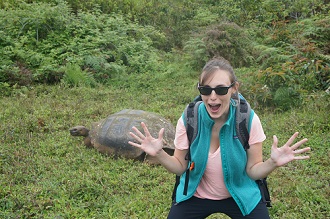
(286, 98)
(74, 76)
(5, 89)
(39, 38)
(226, 40)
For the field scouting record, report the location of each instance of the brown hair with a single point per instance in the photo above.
(214, 65)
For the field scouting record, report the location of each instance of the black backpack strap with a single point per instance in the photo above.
(191, 117)
(191, 122)
(262, 183)
(177, 182)
(243, 113)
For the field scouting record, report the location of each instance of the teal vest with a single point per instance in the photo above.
(241, 187)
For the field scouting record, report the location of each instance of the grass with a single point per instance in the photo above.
(46, 173)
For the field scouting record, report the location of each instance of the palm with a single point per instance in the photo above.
(282, 155)
(151, 145)
(147, 143)
(287, 153)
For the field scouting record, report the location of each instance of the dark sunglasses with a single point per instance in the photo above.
(219, 90)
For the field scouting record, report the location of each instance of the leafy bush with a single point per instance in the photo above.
(286, 86)
(5, 89)
(43, 37)
(74, 76)
(226, 40)
(25, 28)
(286, 44)
(286, 98)
(295, 56)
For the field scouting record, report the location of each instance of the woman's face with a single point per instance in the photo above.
(218, 105)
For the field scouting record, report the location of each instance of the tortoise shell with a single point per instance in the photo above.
(111, 135)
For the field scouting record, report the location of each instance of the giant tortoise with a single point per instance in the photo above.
(111, 135)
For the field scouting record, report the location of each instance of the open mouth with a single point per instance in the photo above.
(214, 107)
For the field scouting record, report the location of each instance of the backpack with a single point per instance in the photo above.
(243, 112)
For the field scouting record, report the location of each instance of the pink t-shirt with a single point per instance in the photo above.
(212, 185)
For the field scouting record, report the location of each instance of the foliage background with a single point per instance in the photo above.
(65, 63)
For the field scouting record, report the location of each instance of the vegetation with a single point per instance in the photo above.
(46, 173)
(286, 51)
(72, 62)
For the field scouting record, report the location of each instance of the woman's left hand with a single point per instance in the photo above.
(288, 153)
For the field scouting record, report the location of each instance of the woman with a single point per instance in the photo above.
(223, 179)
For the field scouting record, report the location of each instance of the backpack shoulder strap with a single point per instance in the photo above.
(191, 123)
(243, 113)
(191, 120)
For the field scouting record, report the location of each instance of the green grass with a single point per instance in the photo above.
(46, 173)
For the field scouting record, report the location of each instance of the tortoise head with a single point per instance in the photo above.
(79, 131)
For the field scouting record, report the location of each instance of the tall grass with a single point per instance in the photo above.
(46, 173)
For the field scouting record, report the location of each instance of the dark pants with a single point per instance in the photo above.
(196, 208)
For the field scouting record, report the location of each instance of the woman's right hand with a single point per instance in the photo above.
(152, 146)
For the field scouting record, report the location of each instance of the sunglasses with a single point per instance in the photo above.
(219, 90)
